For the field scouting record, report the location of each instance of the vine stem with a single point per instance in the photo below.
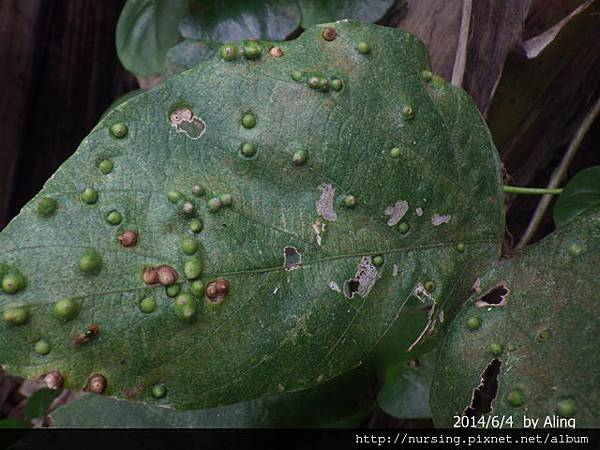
(460, 59)
(529, 190)
(560, 172)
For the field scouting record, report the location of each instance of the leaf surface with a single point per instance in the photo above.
(580, 196)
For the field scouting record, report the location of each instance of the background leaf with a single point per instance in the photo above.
(146, 30)
(39, 402)
(545, 336)
(276, 330)
(314, 13)
(580, 196)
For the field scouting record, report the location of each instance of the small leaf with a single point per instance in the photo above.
(217, 21)
(330, 10)
(535, 352)
(39, 402)
(146, 30)
(405, 391)
(580, 196)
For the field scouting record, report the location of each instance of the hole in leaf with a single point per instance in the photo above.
(485, 393)
(292, 258)
(497, 296)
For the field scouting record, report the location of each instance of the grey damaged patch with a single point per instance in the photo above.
(325, 203)
(476, 286)
(292, 259)
(419, 211)
(319, 228)
(395, 270)
(396, 212)
(438, 219)
(184, 121)
(334, 286)
(363, 281)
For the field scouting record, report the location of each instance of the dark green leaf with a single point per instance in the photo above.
(146, 30)
(329, 10)
(580, 196)
(217, 21)
(39, 402)
(405, 391)
(544, 335)
(341, 402)
(14, 423)
(187, 54)
(275, 330)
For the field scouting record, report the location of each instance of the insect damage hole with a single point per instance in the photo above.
(396, 212)
(184, 121)
(324, 205)
(292, 258)
(497, 296)
(363, 281)
(485, 393)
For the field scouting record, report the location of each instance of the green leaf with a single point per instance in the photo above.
(187, 54)
(13, 422)
(146, 30)
(39, 402)
(258, 329)
(342, 402)
(544, 335)
(405, 392)
(580, 196)
(217, 21)
(329, 10)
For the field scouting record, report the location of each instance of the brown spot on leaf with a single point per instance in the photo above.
(276, 52)
(329, 33)
(217, 290)
(53, 380)
(96, 384)
(163, 275)
(128, 238)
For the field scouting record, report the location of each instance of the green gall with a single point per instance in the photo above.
(13, 282)
(105, 166)
(426, 75)
(323, 84)
(403, 227)
(473, 323)
(248, 149)
(65, 309)
(575, 249)
(197, 288)
(566, 408)
(226, 199)
(214, 204)
(248, 120)
(430, 286)
(495, 348)
(408, 112)
(89, 196)
(46, 206)
(395, 152)
(186, 313)
(192, 269)
(299, 157)
(114, 217)
(350, 201)
(118, 130)
(189, 245)
(90, 262)
(173, 291)
(544, 335)
(252, 50)
(16, 315)
(460, 247)
(196, 225)
(378, 260)
(185, 300)
(515, 398)
(363, 48)
(148, 305)
(228, 52)
(336, 84)
(296, 75)
(159, 391)
(174, 197)
(42, 348)
(198, 190)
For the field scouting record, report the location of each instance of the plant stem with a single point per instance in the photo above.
(460, 59)
(528, 190)
(560, 172)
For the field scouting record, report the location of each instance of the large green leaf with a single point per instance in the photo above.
(218, 21)
(146, 30)
(329, 10)
(344, 398)
(580, 196)
(539, 345)
(276, 330)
